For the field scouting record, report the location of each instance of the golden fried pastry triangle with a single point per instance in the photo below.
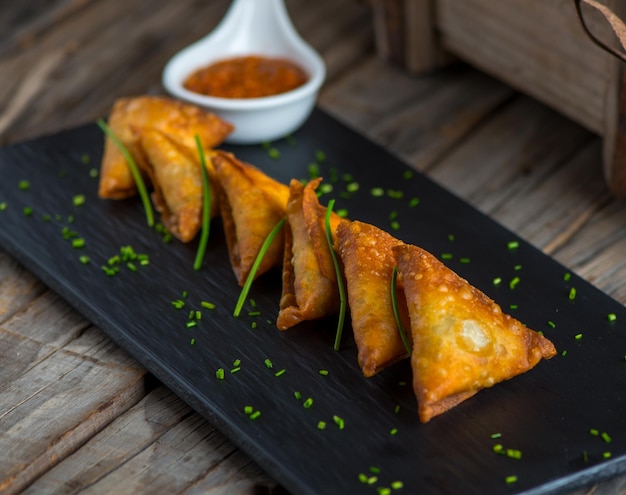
(462, 341)
(177, 179)
(309, 292)
(367, 256)
(251, 205)
(180, 121)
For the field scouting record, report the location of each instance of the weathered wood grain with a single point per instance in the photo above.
(160, 443)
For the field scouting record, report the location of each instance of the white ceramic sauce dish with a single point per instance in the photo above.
(252, 27)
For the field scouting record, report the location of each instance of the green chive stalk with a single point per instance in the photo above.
(134, 170)
(255, 266)
(396, 310)
(206, 209)
(340, 283)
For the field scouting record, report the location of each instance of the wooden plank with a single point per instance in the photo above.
(17, 287)
(537, 47)
(418, 119)
(90, 380)
(160, 443)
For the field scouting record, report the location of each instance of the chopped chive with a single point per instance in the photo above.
(273, 153)
(395, 194)
(497, 281)
(206, 209)
(192, 341)
(572, 294)
(134, 170)
(323, 372)
(84, 259)
(374, 469)
(253, 324)
(414, 202)
(338, 273)
(395, 225)
(307, 404)
(446, 256)
(567, 276)
(578, 336)
(396, 409)
(247, 410)
(393, 431)
(3, 206)
(496, 435)
(93, 173)
(254, 313)
(363, 478)
(235, 369)
(280, 372)
(255, 266)
(383, 490)
(611, 317)
(510, 479)
(606, 437)
(24, 185)
(85, 158)
(396, 310)
(339, 422)
(342, 212)
(396, 485)
(255, 415)
(28, 211)
(297, 395)
(372, 480)
(269, 363)
(321, 425)
(377, 192)
(320, 156)
(407, 174)
(514, 282)
(551, 324)
(606, 455)
(498, 448)
(78, 200)
(78, 243)
(220, 373)
(178, 303)
(514, 453)
(352, 187)
(511, 245)
(131, 266)
(326, 188)
(314, 170)
(191, 324)
(564, 352)
(517, 268)
(207, 305)
(594, 432)
(513, 306)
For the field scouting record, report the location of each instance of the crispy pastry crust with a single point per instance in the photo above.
(177, 179)
(307, 294)
(180, 121)
(462, 341)
(251, 204)
(366, 253)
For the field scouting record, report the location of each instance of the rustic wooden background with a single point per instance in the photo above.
(76, 413)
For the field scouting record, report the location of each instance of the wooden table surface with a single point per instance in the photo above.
(77, 414)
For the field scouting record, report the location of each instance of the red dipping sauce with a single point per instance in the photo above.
(246, 77)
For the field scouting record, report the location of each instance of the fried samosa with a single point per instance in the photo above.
(368, 260)
(251, 204)
(308, 293)
(177, 180)
(180, 121)
(462, 341)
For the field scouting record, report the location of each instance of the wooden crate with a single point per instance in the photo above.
(536, 46)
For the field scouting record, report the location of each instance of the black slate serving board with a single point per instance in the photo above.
(547, 413)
